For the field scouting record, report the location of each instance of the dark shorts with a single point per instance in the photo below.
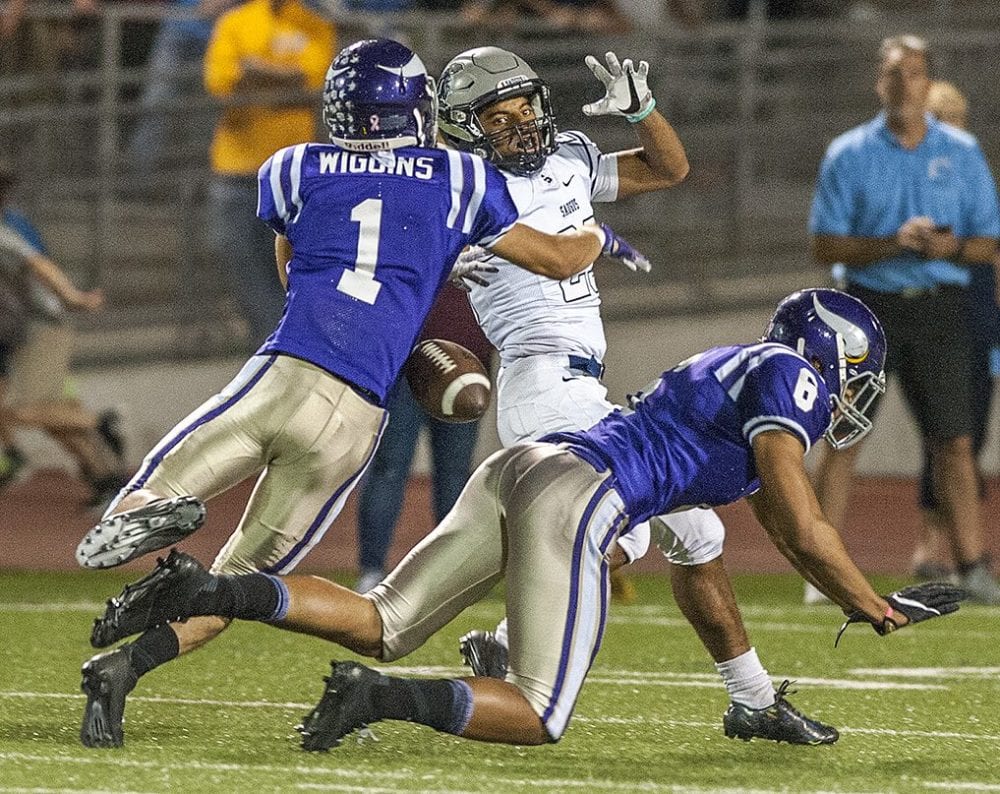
(982, 400)
(930, 350)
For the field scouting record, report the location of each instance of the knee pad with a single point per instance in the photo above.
(635, 544)
(689, 537)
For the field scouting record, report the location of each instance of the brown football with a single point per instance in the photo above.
(448, 381)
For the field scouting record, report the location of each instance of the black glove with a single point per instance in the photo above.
(918, 602)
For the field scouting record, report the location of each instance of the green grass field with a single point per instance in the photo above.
(917, 710)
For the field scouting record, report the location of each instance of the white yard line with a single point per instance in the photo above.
(370, 789)
(928, 672)
(38, 790)
(509, 783)
(99, 759)
(644, 720)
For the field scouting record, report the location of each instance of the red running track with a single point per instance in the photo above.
(43, 518)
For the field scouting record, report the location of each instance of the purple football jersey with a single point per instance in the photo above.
(374, 236)
(688, 440)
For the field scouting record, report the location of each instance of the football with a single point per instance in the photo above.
(448, 381)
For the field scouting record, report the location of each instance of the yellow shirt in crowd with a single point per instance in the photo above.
(291, 36)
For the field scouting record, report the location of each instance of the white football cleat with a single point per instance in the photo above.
(132, 533)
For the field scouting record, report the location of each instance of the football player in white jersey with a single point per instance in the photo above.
(550, 335)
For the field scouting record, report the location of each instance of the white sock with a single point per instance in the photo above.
(747, 681)
(500, 632)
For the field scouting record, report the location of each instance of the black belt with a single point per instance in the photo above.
(365, 394)
(586, 366)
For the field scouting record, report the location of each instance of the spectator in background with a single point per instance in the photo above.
(909, 205)
(41, 44)
(36, 358)
(12, 14)
(83, 37)
(452, 445)
(590, 16)
(931, 559)
(266, 60)
(179, 46)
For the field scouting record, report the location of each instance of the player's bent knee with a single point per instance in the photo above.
(692, 537)
(504, 712)
(681, 552)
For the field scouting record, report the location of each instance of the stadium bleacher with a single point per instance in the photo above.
(756, 104)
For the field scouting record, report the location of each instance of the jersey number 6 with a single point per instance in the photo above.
(806, 390)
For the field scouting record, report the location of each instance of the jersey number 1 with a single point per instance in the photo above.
(360, 283)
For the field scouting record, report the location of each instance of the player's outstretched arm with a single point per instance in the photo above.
(787, 507)
(563, 255)
(556, 256)
(661, 161)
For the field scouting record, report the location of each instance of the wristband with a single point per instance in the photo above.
(607, 238)
(889, 623)
(641, 114)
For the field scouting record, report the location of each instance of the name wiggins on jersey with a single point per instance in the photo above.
(356, 163)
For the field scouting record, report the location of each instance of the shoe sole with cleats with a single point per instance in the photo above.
(132, 533)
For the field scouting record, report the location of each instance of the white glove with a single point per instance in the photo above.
(470, 263)
(627, 93)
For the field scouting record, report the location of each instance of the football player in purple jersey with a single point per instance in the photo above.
(543, 516)
(550, 334)
(368, 227)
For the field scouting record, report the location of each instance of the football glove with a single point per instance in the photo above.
(626, 91)
(619, 248)
(468, 268)
(918, 602)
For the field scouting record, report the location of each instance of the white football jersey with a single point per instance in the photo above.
(524, 314)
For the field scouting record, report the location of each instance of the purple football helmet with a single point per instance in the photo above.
(844, 341)
(378, 96)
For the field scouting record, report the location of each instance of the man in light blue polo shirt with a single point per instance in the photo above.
(907, 205)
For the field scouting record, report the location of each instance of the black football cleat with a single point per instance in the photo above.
(346, 706)
(107, 679)
(132, 533)
(165, 595)
(484, 653)
(779, 722)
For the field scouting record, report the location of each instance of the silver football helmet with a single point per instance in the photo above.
(474, 80)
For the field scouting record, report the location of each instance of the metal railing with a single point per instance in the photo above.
(756, 103)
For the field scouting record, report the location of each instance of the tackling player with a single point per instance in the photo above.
(551, 337)
(367, 228)
(543, 516)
